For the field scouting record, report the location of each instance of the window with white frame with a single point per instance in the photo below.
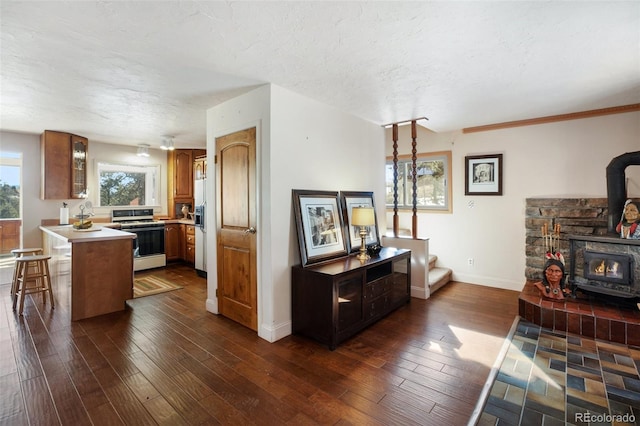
(10, 185)
(128, 185)
(433, 182)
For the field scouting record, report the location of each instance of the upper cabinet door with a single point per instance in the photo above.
(64, 161)
(79, 148)
(183, 174)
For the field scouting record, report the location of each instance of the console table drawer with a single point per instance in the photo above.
(378, 288)
(377, 307)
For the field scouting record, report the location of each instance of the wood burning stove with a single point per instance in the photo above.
(614, 268)
(605, 265)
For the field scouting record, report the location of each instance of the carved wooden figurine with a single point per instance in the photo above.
(552, 285)
(629, 226)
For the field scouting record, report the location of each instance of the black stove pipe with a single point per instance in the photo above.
(616, 188)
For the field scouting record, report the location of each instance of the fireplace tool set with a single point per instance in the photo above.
(552, 242)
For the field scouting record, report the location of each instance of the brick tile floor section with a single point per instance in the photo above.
(555, 378)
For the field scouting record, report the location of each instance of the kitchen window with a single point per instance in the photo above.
(433, 172)
(128, 185)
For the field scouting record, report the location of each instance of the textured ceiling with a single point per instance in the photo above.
(130, 72)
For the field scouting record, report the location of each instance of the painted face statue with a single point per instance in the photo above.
(629, 224)
(631, 213)
(552, 284)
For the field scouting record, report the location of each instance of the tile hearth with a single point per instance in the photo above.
(557, 378)
(585, 316)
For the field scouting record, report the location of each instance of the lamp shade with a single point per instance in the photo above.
(362, 216)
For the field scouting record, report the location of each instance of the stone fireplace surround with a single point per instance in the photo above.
(588, 316)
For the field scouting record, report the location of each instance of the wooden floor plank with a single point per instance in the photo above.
(40, 408)
(164, 413)
(385, 414)
(63, 391)
(166, 360)
(220, 409)
(12, 406)
(24, 351)
(180, 400)
(129, 409)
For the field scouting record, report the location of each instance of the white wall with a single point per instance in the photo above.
(302, 144)
(314, 147)
(35, 209)
(562, 159)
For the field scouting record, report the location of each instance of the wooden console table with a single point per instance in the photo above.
(334, 300)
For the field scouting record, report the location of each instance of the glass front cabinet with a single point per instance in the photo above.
(78, 167)
(64, 166)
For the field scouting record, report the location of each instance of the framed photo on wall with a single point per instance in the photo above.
(319, 225)
(349, 200)
(483, 174)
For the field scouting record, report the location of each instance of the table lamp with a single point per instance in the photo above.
(363, 217)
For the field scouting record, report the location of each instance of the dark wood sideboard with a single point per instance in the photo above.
(334, 300)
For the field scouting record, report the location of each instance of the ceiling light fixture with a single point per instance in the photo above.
(143, 150)
(167, 143)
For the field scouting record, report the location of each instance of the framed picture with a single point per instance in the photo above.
(349, 200)
(483, 175)
(319, 225)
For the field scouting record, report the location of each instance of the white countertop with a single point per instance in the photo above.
(98, 232)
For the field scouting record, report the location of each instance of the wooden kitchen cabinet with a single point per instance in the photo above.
(180, 176)
(172, 237)
(190, 244)
(334, 300)
(9, 235)
(183, 175)
(64, 166)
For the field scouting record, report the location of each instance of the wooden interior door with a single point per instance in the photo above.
(236, 227)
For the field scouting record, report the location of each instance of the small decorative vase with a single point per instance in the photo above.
(374, 250)
(185, 211)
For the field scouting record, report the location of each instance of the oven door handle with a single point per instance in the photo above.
(134, 230)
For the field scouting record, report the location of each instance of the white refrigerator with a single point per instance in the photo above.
(200, 209)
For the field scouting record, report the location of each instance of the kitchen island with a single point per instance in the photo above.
(95, 264)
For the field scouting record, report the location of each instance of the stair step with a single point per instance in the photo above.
(432, 261)
(438, 277)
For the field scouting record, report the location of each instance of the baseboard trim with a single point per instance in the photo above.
(273, 334)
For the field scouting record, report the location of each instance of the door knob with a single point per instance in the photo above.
(251, 230)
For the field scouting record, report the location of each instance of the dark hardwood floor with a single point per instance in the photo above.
(165, 360)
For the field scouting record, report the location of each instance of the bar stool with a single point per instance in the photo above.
(32, 269)
(16, 254)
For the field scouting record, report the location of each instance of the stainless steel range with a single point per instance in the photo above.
(148, 247)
